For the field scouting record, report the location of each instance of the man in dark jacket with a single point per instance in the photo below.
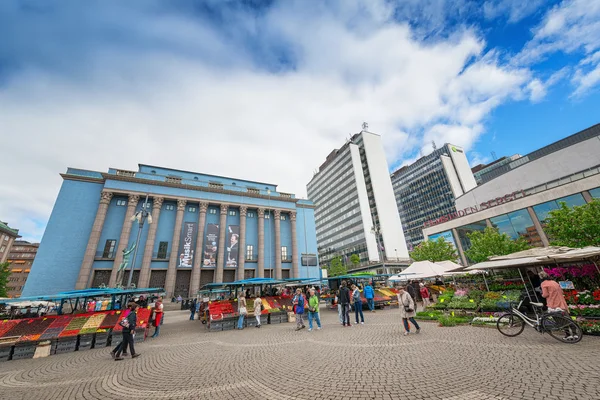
(345, 303)
(128, 333)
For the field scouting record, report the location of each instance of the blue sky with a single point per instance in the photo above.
(265, 89)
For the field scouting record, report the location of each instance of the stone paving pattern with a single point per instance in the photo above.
(371, 361)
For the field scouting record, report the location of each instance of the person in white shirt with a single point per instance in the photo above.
(257, 309)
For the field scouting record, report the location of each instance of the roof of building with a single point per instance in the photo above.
(6, 229)
(201, 173)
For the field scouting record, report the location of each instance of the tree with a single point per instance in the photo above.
(336, 267)
(490, 243)
(434, 250)
(355, 260)
(574, 227)
(4, 274)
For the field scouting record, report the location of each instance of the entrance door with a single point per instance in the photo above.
(229, 276)
(248, 274)
(158, 278)
(182, 283)
(207, 276)
(100, 277)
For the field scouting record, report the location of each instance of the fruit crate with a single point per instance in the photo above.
(215, 326)
(7, 325)
(24, 350)
(250, 322)
(140, 335)
(5, 352)
(101, 340)
(66, 345)
(85, 342)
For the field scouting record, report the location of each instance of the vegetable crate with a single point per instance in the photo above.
(5, 353)
(24, 350)
(85, 342)
(66, 345)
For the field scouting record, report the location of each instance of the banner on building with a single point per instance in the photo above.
(187, 243)
(233, 238)
(211, 246)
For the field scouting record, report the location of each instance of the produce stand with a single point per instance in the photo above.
(384, 296)
(19, 338)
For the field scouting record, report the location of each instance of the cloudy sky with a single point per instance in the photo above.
(266, 89)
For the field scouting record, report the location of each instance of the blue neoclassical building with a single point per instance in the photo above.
(201, 229)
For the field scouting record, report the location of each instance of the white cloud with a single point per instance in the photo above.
(573, 25)
(204, 100)
(514, 10)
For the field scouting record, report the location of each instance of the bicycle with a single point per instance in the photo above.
(557, 324)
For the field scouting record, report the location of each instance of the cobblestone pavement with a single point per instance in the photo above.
(371, 361)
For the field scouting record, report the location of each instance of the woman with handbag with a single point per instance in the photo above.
(407, 310)
(128, 324)
(242, 310)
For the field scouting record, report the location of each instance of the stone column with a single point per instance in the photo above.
(85, 273)
(261, 243)
(538, 227)
(295, 264)
(199, 252)
(278, 270)
(461, 253)
(221, 251)
(174, 256)
(144, 280)
(242, 243)
(124, 239)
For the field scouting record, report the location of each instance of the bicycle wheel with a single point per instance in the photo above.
(562, 328)
(510, 325)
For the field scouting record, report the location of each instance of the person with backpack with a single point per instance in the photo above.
(313, 310)
(299, 301)
(370, 296)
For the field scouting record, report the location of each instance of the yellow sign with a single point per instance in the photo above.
(471, 301)
(441, 300)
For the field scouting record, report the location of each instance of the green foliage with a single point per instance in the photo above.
(491, 243)
(434, 250)
(462, 304)
(4, 274)
(452, 321)
(476, 295)
(336, 268)
(489, 305)
(575, 227)
(355, 260)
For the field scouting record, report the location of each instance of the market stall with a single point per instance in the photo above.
(80, 330)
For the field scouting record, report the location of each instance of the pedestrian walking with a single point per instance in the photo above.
(407, 310)
(128, 324)
(339, 306)
(424, 295)
(313, 310)
(242, 310)
(257, 310)
(298, 302)
(345, 303)
(120, 344)
(370, 296)
(357, 301)
(193, 309)
(158, 316)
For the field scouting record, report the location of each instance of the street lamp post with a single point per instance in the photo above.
(141, 217)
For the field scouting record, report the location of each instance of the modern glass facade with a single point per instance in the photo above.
(423, 192)
(516, 224)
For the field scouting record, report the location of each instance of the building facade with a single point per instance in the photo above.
(7, 237)
(427, 189)
(204, 229)
(355, 206)
(518, 201)
(20, 258)
(481, 172)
